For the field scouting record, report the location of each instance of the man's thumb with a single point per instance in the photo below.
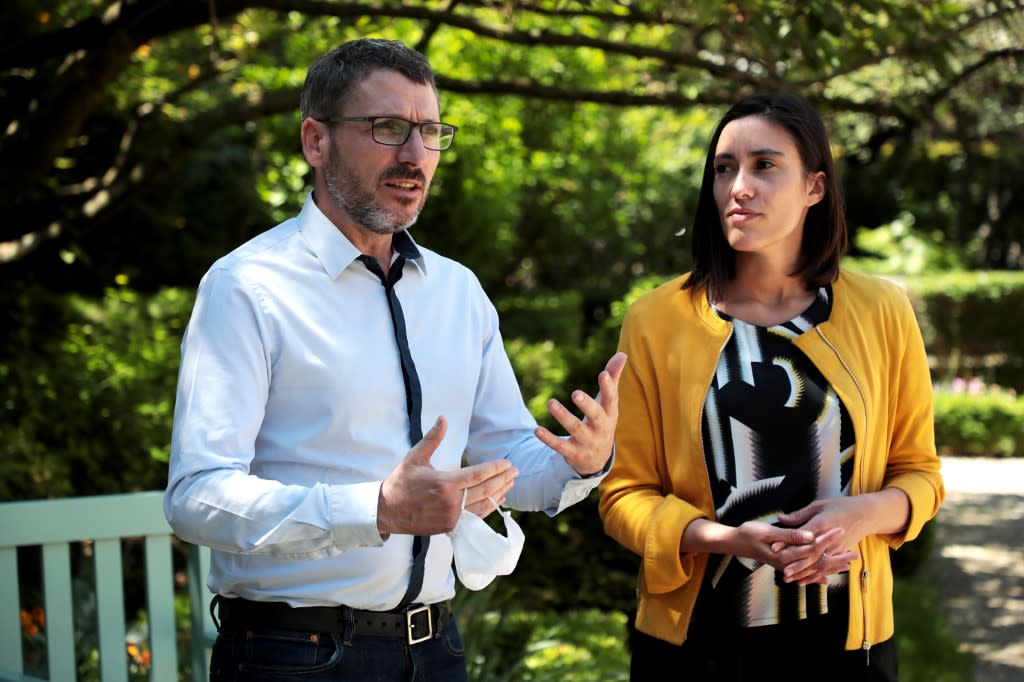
(424, 450)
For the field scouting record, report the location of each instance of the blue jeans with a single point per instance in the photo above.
(270, 655)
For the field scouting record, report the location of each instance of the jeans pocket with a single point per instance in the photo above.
(452, 639)
(288, 652)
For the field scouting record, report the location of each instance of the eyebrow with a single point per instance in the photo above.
(766, 151)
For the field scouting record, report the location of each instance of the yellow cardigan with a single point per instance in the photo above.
(872, 353)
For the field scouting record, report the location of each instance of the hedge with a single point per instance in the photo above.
(971, 323)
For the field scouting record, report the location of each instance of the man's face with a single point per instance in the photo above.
(377, 187)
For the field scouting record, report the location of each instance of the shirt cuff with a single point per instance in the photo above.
(353, 519)
(604, 471)
(577, 487)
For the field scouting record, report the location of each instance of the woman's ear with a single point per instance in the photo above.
(815, 188)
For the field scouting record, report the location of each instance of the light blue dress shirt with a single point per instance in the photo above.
(291, 411)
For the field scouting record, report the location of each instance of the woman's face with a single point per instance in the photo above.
(761, 188)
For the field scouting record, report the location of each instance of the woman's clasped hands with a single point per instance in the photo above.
(829, 528)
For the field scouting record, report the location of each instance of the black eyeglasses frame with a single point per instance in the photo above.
(412, 124)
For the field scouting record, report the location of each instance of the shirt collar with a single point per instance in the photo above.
(333, 249)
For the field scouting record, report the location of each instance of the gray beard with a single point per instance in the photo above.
(360, 205)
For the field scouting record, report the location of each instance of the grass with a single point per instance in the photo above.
(929, 651)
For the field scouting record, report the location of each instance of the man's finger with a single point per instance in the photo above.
(570, 422)
(485, 507)
(615, 366)
(591, 409)
(467, 477)
(608, 380)
(493, 488)
(422, 452)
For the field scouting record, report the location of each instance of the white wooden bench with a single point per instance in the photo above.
(104, 520)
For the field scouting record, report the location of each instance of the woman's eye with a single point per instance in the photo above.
(722, 168)
(765, 163)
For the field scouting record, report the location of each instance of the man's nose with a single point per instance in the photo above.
(413, 150)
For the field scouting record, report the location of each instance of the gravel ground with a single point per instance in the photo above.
(978, 562)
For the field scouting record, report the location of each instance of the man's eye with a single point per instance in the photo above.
(391, 125)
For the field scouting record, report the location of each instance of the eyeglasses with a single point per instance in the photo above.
(394, 132)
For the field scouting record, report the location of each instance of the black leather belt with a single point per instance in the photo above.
(416, 623)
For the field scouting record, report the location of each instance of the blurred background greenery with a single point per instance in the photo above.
(144, 139)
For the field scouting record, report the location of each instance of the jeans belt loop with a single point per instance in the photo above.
(410, 626)
(349, 619)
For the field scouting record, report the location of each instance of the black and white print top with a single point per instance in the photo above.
(776, 437)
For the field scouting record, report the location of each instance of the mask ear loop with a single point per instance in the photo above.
(465, 493)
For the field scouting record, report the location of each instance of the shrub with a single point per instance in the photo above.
(88, 390)
(967, 322)
(974, 419)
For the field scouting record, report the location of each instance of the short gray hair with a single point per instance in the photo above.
(332, 76)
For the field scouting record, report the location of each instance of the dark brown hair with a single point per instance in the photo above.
(332, 76)
(824, 235)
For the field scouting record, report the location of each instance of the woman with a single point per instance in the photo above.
(775, 434)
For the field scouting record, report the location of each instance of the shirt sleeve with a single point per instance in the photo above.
(212, 498)
(502, 427)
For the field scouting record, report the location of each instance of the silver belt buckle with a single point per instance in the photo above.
(409, 626)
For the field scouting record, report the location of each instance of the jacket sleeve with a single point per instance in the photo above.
(913, 464)
(638, 505)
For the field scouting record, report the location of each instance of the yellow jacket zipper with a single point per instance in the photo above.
(865, 642)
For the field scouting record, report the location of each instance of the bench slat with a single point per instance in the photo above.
(10, 614)
(160, 592)
(203, 631)
(82, 518)
(60, 629)
(110, 611)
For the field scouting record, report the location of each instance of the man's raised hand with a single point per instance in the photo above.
(417, 499)
(590, 440)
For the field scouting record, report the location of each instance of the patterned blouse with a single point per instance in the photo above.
(776, 437)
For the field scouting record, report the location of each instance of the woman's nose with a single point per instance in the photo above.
(741, 185)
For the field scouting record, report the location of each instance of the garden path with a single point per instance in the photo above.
(977, 562)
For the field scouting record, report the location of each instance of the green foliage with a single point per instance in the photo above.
(968, 323)
(966, 318)
(88, 392)
(543, 370)
(543, 315)
(896, 249)
(989, 422)
(506, 642)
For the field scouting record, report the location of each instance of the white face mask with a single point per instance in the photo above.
(480, 553)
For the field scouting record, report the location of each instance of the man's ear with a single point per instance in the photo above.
(816, 188)
(316, 140)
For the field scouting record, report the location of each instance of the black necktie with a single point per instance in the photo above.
(413, 402)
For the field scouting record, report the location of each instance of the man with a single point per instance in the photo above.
(316, 354)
